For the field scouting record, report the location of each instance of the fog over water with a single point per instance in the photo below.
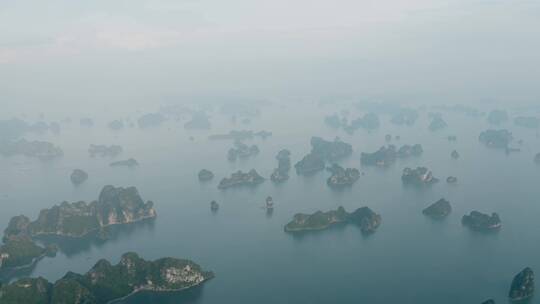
(287, 67)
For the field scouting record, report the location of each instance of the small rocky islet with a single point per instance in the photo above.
(130, 163)
(105, 283)
(78, 176)
(421, 176)
(281, 173)
(482, 222)
(240, 179)
(438, 210)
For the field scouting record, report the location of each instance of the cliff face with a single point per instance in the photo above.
(105, 282)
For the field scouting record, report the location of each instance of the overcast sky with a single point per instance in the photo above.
(61, 51)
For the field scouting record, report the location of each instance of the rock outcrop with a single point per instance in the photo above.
(242, 150)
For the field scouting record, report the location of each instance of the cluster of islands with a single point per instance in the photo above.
(22, 243)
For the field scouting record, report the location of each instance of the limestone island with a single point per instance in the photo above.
(130, 163)
(405, 116)
(310, 164)
(241, 135)
(497, 117)
(496, 138)
(439, 209)
(115, 205)
(482, 222)
(437, 123)
(330, 150)
(281, 173)
(522, 287)
(386, 156)
(106, 283)
(364, 217)
(78, 176)
(199, 121)
(151, 120)
(239, 179)
(104, 151)
(116, 125)
(205, 175)
(42, 150)
(451, 180)
(420, 176)
(342, 177)
(527, 122)
(455, 154)
(490, 301)
(242, 150)
(214, 206)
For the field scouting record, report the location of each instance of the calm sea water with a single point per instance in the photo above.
(410, 259)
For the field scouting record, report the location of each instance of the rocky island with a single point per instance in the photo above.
(482, 222)
(321, 151)
(199, 120)
(330, 150)
(151, 120)
(451, 180)
(310, 164)
(405, 116)
(342, 177)
(19, 252)
(105, 283)
(205, 175)
(130, 163)
(116, 125)
(241, 135)
(439, 209)
(497, 117)
(522, 285)
(242, 150)
(454, 154)
(239, 179)
(420, 176)
(527, 122)
(496, 138)
(104, 151)
(281, 173)
(115, 205)
(42, 150)
(78, 176)
(364, 217)
(437, 123)
(386, 156)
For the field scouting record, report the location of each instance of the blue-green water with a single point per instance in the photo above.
(410, 259)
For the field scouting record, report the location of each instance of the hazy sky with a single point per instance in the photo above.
(108, 51)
